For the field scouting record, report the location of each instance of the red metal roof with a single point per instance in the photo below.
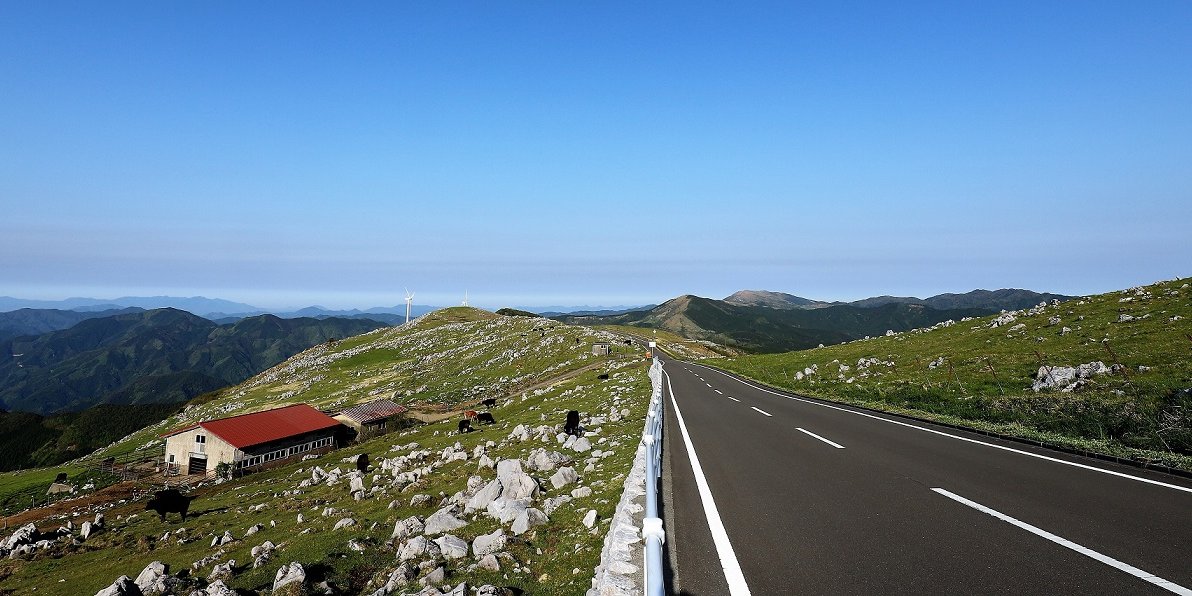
(247, 430)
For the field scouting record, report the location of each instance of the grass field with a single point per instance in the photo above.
(980, 372)
(481, 351)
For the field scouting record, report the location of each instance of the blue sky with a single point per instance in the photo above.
(533, 153)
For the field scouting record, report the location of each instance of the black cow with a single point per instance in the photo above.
(465, 426)
(572, 426)
(362, 462)
(485, 418)
(602, 376)
(61, 477)
(170, 501)
(490, 402)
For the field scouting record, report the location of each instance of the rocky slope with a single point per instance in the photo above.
(513, 505)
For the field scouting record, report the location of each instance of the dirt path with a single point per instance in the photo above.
(432, 413)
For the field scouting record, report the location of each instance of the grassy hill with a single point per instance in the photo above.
(155, 356)
(981, 372)
(763, 329)
(537, 368)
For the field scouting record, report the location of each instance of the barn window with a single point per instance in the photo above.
(171, 460)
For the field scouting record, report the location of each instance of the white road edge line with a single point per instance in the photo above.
(960, 438)
(1088, 552)
(732, 398)
(763, 412)
(809, 433)
(724, 549)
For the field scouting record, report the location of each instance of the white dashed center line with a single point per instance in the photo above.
(732, 398)
(809, 433)
(762, 411)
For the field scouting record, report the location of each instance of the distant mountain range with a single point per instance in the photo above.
(997, 300)
(36, 321)
(775, 322)
(153, 356)
(223, 311)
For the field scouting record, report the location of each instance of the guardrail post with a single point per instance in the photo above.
(653, 537)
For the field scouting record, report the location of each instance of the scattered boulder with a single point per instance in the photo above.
(218, 588)
(407, 527)
(346, 522)
(563, 477)
(484, 496)
(123, 586)
(452, 547)
(416, 548)
(590, 518)
(489, 543)
(443, 520)
(85, 530)
(222, 571)
(290, 579)
(581, 445)
(488, 562)
(528, 519)
(154, 579)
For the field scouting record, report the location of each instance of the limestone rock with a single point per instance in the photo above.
(289, 579)
(452, 547)
(489, 543)
(590, 518)
(563, 477)
(488, 562)
(484, 496)
(123, 586)
(223, 571)
(150, 581)
(443, 520)
(418, 547)
(346, 522)
(581, 445)
(407, 527)
(528, 519)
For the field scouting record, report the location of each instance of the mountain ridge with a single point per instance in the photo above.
(151, 356)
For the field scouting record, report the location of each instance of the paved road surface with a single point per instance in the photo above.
(817, 498)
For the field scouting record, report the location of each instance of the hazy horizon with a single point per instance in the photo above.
(609, 154)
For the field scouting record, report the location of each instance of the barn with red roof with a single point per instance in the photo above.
(249, 440)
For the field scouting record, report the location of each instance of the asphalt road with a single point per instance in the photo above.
(816, 498)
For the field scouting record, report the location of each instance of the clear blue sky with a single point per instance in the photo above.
(286, 154)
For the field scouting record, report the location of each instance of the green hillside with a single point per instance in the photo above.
(536, 367)
(763, 329)
(980, 372)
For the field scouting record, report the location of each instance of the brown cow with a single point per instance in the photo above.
(469, 414)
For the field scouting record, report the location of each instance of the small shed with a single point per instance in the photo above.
(600, 349)
(372, 418)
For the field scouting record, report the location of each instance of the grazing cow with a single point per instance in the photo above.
(572, 426)
(61, 477)
(169, 501)
(485, 418)
(602, 376)
(465, 426)
(629, 342)
(490, 402)
(362, 462)
(469, 414)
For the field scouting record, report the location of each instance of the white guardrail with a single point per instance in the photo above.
(652, 533)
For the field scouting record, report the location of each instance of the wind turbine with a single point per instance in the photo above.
(409, 301)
